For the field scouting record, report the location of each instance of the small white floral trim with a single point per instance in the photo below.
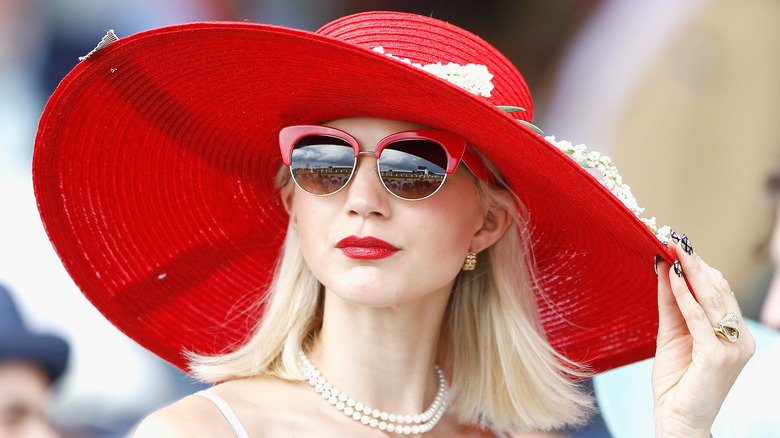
(611, 179)
(474, 78)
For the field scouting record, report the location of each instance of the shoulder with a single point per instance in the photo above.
(264, 406)
(193, 416)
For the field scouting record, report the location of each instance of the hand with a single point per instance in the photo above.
(694, 368)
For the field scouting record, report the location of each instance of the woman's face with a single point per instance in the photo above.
(421, 244)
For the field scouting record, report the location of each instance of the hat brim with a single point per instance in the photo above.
(47, 351)
(154, 169)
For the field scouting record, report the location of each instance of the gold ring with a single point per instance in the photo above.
(728, 327)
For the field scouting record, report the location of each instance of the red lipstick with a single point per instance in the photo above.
(366, 248)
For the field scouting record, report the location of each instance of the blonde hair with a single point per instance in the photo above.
(503, 371)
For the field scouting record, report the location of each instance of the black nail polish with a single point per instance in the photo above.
(677, 268)
(657, 259)
(675, 237)
(686, 245)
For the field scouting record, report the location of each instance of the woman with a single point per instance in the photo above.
(770, 310)
(461, 300)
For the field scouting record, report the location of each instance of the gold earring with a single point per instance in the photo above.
(471, 261)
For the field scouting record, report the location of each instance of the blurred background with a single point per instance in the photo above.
(683, 94)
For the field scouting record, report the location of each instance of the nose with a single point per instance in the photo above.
(366, 196)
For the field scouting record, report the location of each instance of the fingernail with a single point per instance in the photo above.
(677, 268)
(675, 237)
(687, 245)
(657, 259)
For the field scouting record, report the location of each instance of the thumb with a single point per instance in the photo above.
(670, 319)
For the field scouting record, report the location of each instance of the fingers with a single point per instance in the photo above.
(700, 277)
(722, 286)
(665, 296)
(711, 298)
(670, 321)
(694, 368)
(696, 318)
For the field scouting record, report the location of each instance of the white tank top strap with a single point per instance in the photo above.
(228, 413)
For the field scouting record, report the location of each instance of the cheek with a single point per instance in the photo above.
(304, 209)
(457, 218)
(443, 242)
(307, 218)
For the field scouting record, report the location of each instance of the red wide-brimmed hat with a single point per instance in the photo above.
(155, 161)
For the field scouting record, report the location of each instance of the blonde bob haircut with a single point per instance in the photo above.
(503, 372)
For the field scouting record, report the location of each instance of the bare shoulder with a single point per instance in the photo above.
(267, 406)
(264, 406)
(193, 416)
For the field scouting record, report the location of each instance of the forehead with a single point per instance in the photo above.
(371, 128)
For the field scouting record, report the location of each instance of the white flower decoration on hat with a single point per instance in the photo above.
(611, 179)
(474, 78)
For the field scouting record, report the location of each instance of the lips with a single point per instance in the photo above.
(366, 248)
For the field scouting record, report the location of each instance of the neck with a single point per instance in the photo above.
(382, 357)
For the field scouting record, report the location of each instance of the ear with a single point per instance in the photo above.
(287, 195)
(494, 223)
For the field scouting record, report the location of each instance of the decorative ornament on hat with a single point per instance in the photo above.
(474, 78)
(514, 109)
(611, 179)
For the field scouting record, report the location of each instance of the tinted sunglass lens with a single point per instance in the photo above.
(321, 164)
(413, 169)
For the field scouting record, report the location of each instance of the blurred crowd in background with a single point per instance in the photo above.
(683, 94)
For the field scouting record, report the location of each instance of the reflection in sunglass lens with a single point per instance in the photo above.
(413, 169)
(321, 164)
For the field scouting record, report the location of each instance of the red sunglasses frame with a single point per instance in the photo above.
(455, 146)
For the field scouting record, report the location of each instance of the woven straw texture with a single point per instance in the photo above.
(155, 159)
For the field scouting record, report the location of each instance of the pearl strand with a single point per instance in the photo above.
(394, 423)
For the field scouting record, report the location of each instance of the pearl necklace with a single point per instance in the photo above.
(396, 423)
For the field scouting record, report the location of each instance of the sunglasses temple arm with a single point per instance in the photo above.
(477, 165)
